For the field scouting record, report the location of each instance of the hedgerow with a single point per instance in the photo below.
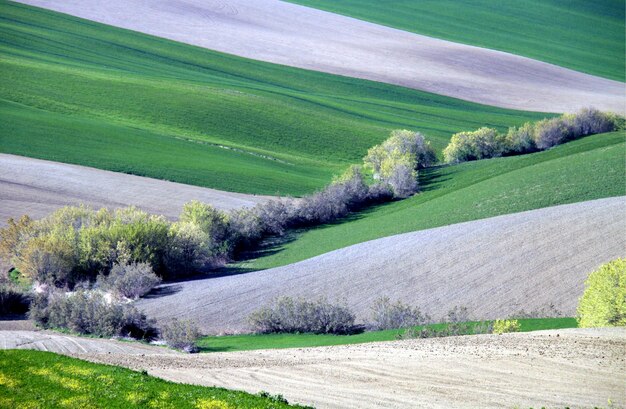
(530, 137)
(288, 315)
(89, 312)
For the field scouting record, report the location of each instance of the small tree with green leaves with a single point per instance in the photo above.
(603, 303)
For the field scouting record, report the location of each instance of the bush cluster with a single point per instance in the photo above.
(347, 193)
(288, 315)
(395, 162)
(129, 280)
(530, 137)
(76, 244)
(504, 326)
(89, 312)
(181, 334)
(603, 304)
(388, 315)
(453, 329)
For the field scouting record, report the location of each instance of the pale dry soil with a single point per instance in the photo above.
(574, 367)
(38, 187)
(23, 335)
(298, 36)
(495, 267)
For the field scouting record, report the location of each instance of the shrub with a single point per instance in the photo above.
(288, 315)
(13, 237)
(480, 144)
(590, 121)
(49, 258)
(388, 315)
(449, 330)
(403, 181)
(395, 162)
(275, 214)
(553, 131)
(487, 143)
(189, 249)
(245, 226)
(458, 314)
(503, 326)
(181, 335)
(547, 311)
(129, 280)
(89, 312)
(13, 301)
(213, 222)
(604, 301)
(521, 140)
(145, 236)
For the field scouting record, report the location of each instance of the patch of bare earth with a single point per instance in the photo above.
(12, 337)
(289, 34)
(495, 267)
(38, 187)
(574, 368)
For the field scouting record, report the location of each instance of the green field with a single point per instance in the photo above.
(231, 343)
(586, 169)
(80, 92)
(581, 35)
(36, 379)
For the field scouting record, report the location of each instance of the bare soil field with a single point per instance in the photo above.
(38, 187)
(293, 35)
(68, 344)
(574, 368)
(495, 267)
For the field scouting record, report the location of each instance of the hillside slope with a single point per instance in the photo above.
(36, 188)
(575, 368)
(590, 168)
(495, 267)
(133, 103)
(283, 33)
(581, 35)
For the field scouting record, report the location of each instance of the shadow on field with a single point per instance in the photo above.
(431, 178)
(164, 291)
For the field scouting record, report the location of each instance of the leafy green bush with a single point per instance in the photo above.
(288, 315)
(504, 326)
(487, 143)
(395, 161)
(480, 144)
(603, 303)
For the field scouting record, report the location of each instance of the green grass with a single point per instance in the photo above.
(231, 343)
(36, 379)
(578, 34)
(586, 169)
(80, 92)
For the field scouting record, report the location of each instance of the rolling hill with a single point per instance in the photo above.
(297, 36)
(581, 35)
(37, 188)
(128, 102)
(495, 267)
(586, 169)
